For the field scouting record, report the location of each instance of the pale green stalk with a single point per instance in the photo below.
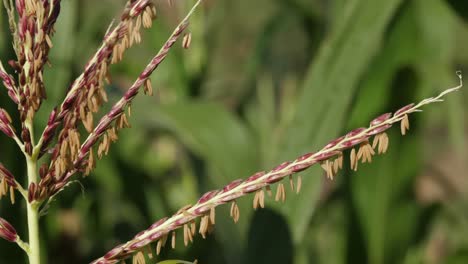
(33, 207)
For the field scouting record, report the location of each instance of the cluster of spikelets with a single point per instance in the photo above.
(330, 157)
(61, 137)
(32, 27)
(31, 24)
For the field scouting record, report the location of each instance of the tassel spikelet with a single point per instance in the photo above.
(7, 231)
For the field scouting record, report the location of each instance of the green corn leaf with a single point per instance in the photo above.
(327, 92)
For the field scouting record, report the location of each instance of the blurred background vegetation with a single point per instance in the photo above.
(265, 81)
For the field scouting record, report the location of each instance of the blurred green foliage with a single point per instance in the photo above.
(265, 81)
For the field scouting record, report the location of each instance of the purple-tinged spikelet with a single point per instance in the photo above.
(7, 231)
(7, 175)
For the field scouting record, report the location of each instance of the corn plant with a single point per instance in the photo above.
(73, 141)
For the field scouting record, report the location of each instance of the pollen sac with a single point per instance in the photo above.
(187, 40)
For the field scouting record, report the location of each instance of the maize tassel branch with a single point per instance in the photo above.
(81, 157)
(328, 156)
(90, 84)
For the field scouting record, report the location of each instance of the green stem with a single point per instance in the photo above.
(23, 245)
(33, 216)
